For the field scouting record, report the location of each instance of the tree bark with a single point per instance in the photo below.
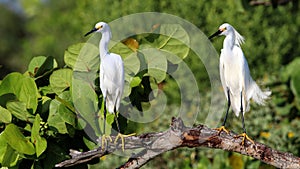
(178, 135)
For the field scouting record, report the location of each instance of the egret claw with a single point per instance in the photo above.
(222, 128)
(104, 140)
(245, 137)
(122, 136)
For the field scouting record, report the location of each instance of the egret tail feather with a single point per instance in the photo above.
(258, 95)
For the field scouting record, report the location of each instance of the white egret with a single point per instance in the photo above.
(238, 85)
(111, 76)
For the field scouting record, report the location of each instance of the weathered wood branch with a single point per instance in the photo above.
(177, 136)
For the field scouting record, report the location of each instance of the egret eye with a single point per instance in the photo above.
(99, 26)
(223, 29)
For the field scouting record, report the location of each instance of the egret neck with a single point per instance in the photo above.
(103, 45)
(229, 41)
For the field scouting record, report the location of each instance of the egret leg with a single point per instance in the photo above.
(117, 122)
(122, 136)
(244, 135)
(104, 112)
(222, 128)
(243, 121)
(104, 136)
(228, 106)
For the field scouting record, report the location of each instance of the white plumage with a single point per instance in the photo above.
(238, 85)
(235, 73)
(111, 79)
(111, 70)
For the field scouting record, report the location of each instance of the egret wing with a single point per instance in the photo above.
(245, 80)
(112, 80)
(222, 71)
(119, 80)
(112, 71)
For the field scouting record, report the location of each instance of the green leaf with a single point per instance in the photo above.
(17, 141)
(135, 81)
(60, 114)
(157, 63)
(47, 67)
(60, 80)
(172, 39)
(120, 49)
(3, 146)
(131, 65)
(10, 156)
(54, 119)
(87, 59)
(37, 64)
(85, 99)
(110, 117)
(72, 53)
(23, 87)
(18, 109)
(6, 98)
(66, 109)
(45, 102)
(154, 86)
(41, 145)
(40, 142)
(5, 115)
(90, 144)
(131, 68)
(46, 90)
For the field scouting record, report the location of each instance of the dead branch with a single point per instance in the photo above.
(178, 135)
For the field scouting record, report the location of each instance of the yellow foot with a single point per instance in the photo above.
(222, 128)
(104, 139)
(122, 136)
(245, 136)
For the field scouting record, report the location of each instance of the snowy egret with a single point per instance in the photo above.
(238, 85)
(111, 76)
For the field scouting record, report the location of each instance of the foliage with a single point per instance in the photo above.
(48, 103)
(26, 100)
(49, 27)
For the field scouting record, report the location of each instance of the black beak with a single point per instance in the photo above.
(93, 30)
(215, 34)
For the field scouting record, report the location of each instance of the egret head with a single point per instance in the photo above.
(99, 27)
(224, 29)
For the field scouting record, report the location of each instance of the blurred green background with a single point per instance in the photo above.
(47, 27)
